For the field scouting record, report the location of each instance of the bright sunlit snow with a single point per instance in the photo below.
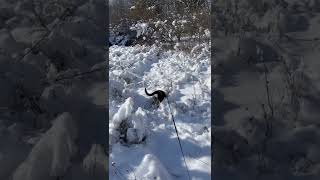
(143, 143)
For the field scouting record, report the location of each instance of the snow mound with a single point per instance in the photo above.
(143, 143)
(51, 156)
(124, 112)
(119, 124)
(96, 161)
(151, 168)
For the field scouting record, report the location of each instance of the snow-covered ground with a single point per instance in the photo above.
(253, 71)
(142, 139)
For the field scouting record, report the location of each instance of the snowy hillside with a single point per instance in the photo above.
(266, 90)
(53, 90)
(142, 139)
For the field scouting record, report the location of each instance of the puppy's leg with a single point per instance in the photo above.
(156, 102)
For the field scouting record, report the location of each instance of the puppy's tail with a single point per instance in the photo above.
(145, 90)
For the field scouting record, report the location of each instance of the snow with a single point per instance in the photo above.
(141, 28)
(8, 43)
(123, 113)
(143, 143)
(151, 168)
(151, 7)
(132, 7)
(96, 159)
(58, 141)
(38, 140)
(287, 32)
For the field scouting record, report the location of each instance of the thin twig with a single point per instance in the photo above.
(65, 14)
(122, 176)
(80, 74)
(267, 89)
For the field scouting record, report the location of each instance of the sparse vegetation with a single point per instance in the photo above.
(165, 23)
(265, 77)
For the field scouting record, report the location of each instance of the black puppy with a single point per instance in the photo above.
(160, 95)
